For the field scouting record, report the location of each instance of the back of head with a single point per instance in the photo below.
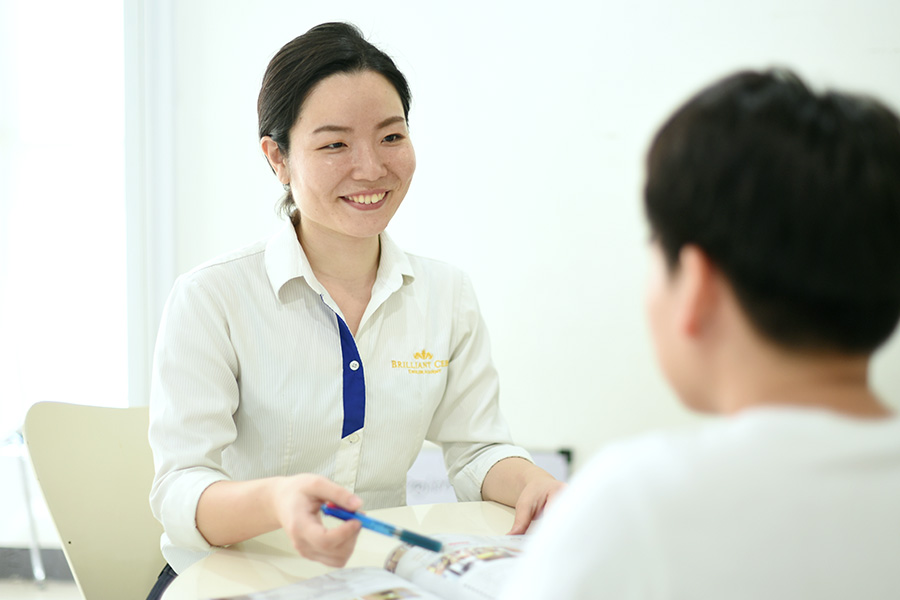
(795, 196)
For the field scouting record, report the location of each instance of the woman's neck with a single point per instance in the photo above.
(339, 258)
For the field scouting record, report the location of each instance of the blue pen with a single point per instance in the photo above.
(384, 528)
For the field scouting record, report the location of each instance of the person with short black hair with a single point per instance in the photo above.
(774, 214)
(311, 366)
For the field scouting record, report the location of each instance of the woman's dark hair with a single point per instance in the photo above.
(795, 196)
(301, 64)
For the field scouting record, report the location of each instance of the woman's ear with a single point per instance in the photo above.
(698, 293)
(277, 159)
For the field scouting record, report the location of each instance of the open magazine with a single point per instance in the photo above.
(468, 568)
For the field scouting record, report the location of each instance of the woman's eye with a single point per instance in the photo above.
(333, 146)
(394, 137)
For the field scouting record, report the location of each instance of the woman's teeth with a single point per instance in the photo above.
(367, 198)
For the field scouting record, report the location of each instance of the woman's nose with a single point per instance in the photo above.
(368, 164)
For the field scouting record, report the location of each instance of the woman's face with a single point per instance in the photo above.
(351, 160)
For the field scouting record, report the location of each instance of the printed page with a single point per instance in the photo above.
(468, 568)
(365, 583)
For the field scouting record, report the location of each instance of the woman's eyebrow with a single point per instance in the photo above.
(332, 128)
(344, 129)
(390, 121)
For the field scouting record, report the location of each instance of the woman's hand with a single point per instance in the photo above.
(535, 497)
(519, 483)
(234, 511)
(297, 506)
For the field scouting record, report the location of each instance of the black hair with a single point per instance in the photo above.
(795, 197)
(296, 69)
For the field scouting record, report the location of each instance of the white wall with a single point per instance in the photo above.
(530, 123)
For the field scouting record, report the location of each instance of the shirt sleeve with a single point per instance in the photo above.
(468, 423)
(193, 397)
(594, 541)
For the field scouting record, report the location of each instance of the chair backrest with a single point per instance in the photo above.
(95, 469)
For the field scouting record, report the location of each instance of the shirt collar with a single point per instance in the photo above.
(394, 268)
(286, 260)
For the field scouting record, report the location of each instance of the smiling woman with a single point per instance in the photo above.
(349, 169)
(275, 385)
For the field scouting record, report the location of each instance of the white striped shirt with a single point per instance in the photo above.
(248, 382)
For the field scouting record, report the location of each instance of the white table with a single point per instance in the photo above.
(269, 561)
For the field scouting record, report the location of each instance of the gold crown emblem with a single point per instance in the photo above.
(423, 355)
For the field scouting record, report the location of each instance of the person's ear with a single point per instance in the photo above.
(698, 291)
(277, 159)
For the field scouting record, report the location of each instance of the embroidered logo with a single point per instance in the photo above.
(422, 364)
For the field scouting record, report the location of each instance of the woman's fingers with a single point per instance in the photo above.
(301, 501)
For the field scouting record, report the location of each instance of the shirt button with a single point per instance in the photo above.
(354, 438)
(354, 365)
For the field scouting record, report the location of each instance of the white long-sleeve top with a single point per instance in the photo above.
(255, 374)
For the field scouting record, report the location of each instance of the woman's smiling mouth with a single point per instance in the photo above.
(371, 198)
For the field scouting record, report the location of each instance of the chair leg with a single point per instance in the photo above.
(37, 563)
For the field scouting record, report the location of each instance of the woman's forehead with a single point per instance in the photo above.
(363, 97)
